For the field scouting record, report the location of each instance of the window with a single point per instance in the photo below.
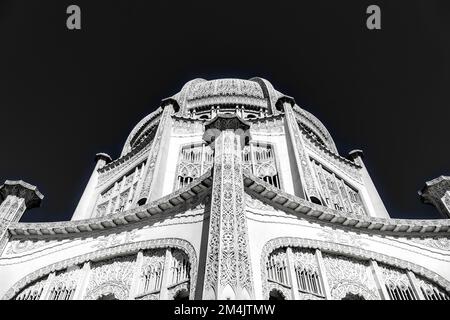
(119, 196)
(61, 292)
(194, 160)
(400, 292)
(277, 267)
(153, 278)
(308, 280)
(260, 159)
(434, 294)
(336, 192)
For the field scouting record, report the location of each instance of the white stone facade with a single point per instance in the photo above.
(229, 190)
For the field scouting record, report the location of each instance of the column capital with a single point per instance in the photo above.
(23, 190)
(437, 193)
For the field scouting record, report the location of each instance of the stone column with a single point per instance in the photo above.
(87, 201)
(152, 167)
(437, 193)
(378, 208)
(15, 198)
(228, 273)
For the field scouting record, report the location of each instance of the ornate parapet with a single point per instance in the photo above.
(437, 193)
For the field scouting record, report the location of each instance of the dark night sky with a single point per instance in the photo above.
(66, 95)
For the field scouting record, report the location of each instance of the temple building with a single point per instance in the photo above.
(229, 190)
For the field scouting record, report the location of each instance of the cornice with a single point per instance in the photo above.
(135, 215)
(321, 214)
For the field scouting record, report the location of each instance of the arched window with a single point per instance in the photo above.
(260, 159)
(153, 277)
(400, 291)
(277, 267)
(61, 292)
(194, 160)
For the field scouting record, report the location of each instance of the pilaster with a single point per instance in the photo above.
(166, 275)
(292, 275)
(144, 191)
(83, 281)
(46, 289)
(415, 285)
(379, 210)
(135, 282)
(309, 189)
(323, 275)
(87, 201)
(378, 276)
(228, 272)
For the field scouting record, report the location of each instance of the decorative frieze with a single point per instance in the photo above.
(227, 261)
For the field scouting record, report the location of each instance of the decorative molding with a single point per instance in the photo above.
(346, 251)
(228, 261)
(121, 250)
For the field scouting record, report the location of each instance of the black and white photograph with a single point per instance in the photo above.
(225, 150)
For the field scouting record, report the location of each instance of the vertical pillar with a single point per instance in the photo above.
(135, 282)
(378, 276)
(46, 290)
(309, 189)
(415, 285)
(292, 273)
(87, 201)
(379, 210)
(82, 282)
(228, 272)
(166, 275)
(152, 167)
(15, 198)
(323, 275)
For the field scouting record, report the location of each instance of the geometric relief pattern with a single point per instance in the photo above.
(349, 276)
(111, 276)
(227, 261)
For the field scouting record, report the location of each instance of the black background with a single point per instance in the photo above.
(67, 95)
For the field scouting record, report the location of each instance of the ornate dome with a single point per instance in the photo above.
(255, 92)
